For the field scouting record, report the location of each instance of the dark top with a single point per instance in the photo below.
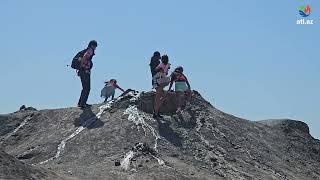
(153, 64)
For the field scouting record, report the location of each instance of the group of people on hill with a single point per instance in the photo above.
(159, 66)
(160, 79)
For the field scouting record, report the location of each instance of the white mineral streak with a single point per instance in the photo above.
(24, 122)
(138, 119)
(125, 163)
(160, 161)
(87, 123)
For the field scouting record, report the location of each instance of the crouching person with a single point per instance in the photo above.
(182, 88)
(109, 89)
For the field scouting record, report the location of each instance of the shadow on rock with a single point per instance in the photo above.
(166, 131)
(88, 120)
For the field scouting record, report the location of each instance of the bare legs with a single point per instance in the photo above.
(179, 97)
(159, 99)
(182, 98)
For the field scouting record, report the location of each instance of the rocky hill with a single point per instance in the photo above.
(121, 140)
(11, 168)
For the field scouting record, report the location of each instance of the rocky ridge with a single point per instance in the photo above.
(121, 140)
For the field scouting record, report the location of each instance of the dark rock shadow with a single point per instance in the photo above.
(5, 126)
(88, 120)
(166, 131)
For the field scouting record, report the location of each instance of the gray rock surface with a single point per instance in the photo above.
(121, 140)
(11, 168)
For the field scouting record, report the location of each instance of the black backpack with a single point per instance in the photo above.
(76, 60)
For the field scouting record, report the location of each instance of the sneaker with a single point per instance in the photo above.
(88, 105)
(179, 111)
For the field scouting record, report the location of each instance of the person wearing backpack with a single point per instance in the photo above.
(182, 88)
(82, 62)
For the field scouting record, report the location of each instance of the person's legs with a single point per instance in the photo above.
(157, 100)
(85, 81)
(188, 95)
(83, 87)
(182, 100)
(182, 92)
(112, 94)
(87, 89)
(178, 97)
(162, 98)
(106, 100)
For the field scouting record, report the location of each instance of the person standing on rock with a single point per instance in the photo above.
(154, 63)
(160, 80)
(84, 72)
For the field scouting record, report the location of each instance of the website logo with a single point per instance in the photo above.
(305, 11)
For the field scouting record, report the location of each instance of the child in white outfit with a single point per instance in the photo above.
(109, 89)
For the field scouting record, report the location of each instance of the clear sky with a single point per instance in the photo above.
(248, 58)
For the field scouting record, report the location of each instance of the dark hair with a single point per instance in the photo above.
(156, 54)
(165, 59)
(93, 43)
(114, 80)
(179, 69)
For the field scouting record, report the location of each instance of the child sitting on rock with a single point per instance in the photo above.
(109, 89)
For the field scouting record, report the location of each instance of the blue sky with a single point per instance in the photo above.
(248, 58)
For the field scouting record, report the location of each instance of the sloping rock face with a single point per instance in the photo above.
(121, 140)
(11, 168)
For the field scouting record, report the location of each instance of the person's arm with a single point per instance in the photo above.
(167, 68)
(116, 85)
(159, 67)
(171, 82)
(188, 84)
